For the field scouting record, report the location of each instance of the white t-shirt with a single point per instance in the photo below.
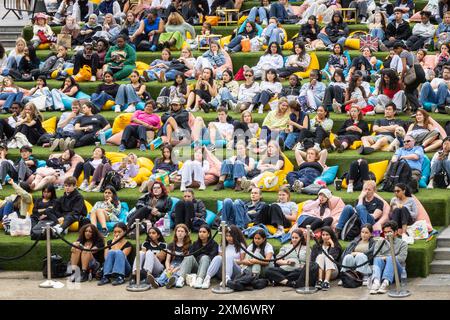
(225, 129)
(96, 162)
(268, 249)
(230, 251)
(288, 207)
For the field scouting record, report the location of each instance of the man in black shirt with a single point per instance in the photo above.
(384, 130)
(369, 207)
(89, 126)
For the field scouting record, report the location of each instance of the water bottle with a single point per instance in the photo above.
(166, 226)
(102, 137)
(403, 279)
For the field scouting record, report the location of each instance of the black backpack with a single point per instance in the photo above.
(58, 266)
(399, 172)
(351, 279)
(352, 228)
(112, 179)
(441, 179)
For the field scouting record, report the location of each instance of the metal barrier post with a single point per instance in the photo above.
(138, 286)
(49, 283)
(223, 289)
(398, 292)
(307, 289)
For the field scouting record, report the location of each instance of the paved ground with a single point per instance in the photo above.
(24, 285)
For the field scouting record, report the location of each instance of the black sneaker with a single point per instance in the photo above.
(171, 283)
(103, 281)
(361, 150)
(84, 276)
(151, 281)
(105, 233)
(325, 286)
(368, 150)
(119, 280)
(319, 285)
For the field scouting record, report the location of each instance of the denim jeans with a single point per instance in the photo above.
(126, 95)
(352, 261)
(384, 269)
(234, 212)
(10, 98)
(99, 99)
(274, 34)
(258, 11)
(305, 175)
(163, 279)
(224, 95)
(235, 43)
(7, 209)
(326, 40)
(277, 10)
(116, 263)
(232, 171)
(190, 265)
(427, 94)
(291, 140)
(377, 32)
(171, 74)
(57, 97)
(438, 165)
(362, 213)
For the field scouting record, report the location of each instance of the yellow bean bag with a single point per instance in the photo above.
(288, 45)
(74, 226)
(224, 40)
(242, 19)
(44, 46)
(115, 156)
(272, 181)
(1, 226)
(378, 169)
(108, 105)
(120, 122)
(355, 145)
(272, 229)
(314, 64)
(49, 125)
(141, 67)
(145, 163)
(353, 43)
(142, 175)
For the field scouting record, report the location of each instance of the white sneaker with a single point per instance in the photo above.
(206, 282)
(430, 185)
(198, 283)
(190, 279)
(84, 186)
(130, 109)
(370, 113)
(93, 79)
(261, 109)
(375, 286)
(350, 188)
(180, 282)
(336, 106)
(384, 287)
(226, 281)
(183, 187)
(279, 233)
(58, 229)
(1, 186)
(202, 187)
(340, 283)
(407, 238)
(117, 108)
(317, 147)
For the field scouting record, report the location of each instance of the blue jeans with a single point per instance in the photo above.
(235, 43)
(427, 94)
(126, 95)
(163, 279)
(116, 263)
(384, 269)
(99, 99)
(277, 10)
(305, 175)
(224, 95)
(326, 40)
(377, 32)
(274, 34)
(10, 98)
(362, 213)
(171, 74)
(438, 165)
(7, 209)
(57, 97)
(235, 213)
(233, 171)
(291, 140)
(258, 11)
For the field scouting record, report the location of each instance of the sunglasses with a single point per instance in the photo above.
(248, 75)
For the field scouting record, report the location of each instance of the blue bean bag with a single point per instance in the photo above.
(426, 171)
(122, 217)
(219, 143)
(210, 216)
(67, 101)
(41, 163)
(329, 175)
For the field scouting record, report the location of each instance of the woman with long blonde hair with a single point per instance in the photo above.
(176, 32)
(30, 123)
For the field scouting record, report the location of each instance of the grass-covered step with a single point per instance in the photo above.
(420, 254)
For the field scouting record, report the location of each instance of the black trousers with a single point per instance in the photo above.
(287, 71)
(143, 213)
(402, 216)
(415, 42)
(272, 215)
(411, 92)
(85, 139)
(359, 172)
(316, 223)
(262, 98)
(276, 274)
(87, 169)
(184, 213)
(333, 92)
(319, 135)
(31, 133)
(139, 132)
(5, 129)
(78, 59)
(69, 219)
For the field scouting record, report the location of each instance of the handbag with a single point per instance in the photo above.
(410, 75)
(42, 37)
(19, 227)
(352, 279)
(39, 102)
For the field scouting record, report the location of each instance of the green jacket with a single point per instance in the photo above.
(128, 54)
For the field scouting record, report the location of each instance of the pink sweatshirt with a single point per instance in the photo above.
(151, 119)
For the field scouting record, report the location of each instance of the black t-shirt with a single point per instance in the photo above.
(127, 244)
(385, 122)
(373, 205)
(99, 255)
(97, 121)
(150, 246)
(178, 256)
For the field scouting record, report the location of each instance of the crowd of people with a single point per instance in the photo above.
(107, 40)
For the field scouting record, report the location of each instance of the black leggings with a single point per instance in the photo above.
(5, 129)
(402, 217)
(143, 213)
(262, 98)
(276, 274)
(319, 135)
(316, 223)
(272, 215)
(333, 92)
(359, 172)
(184, 213)
(87, 169)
